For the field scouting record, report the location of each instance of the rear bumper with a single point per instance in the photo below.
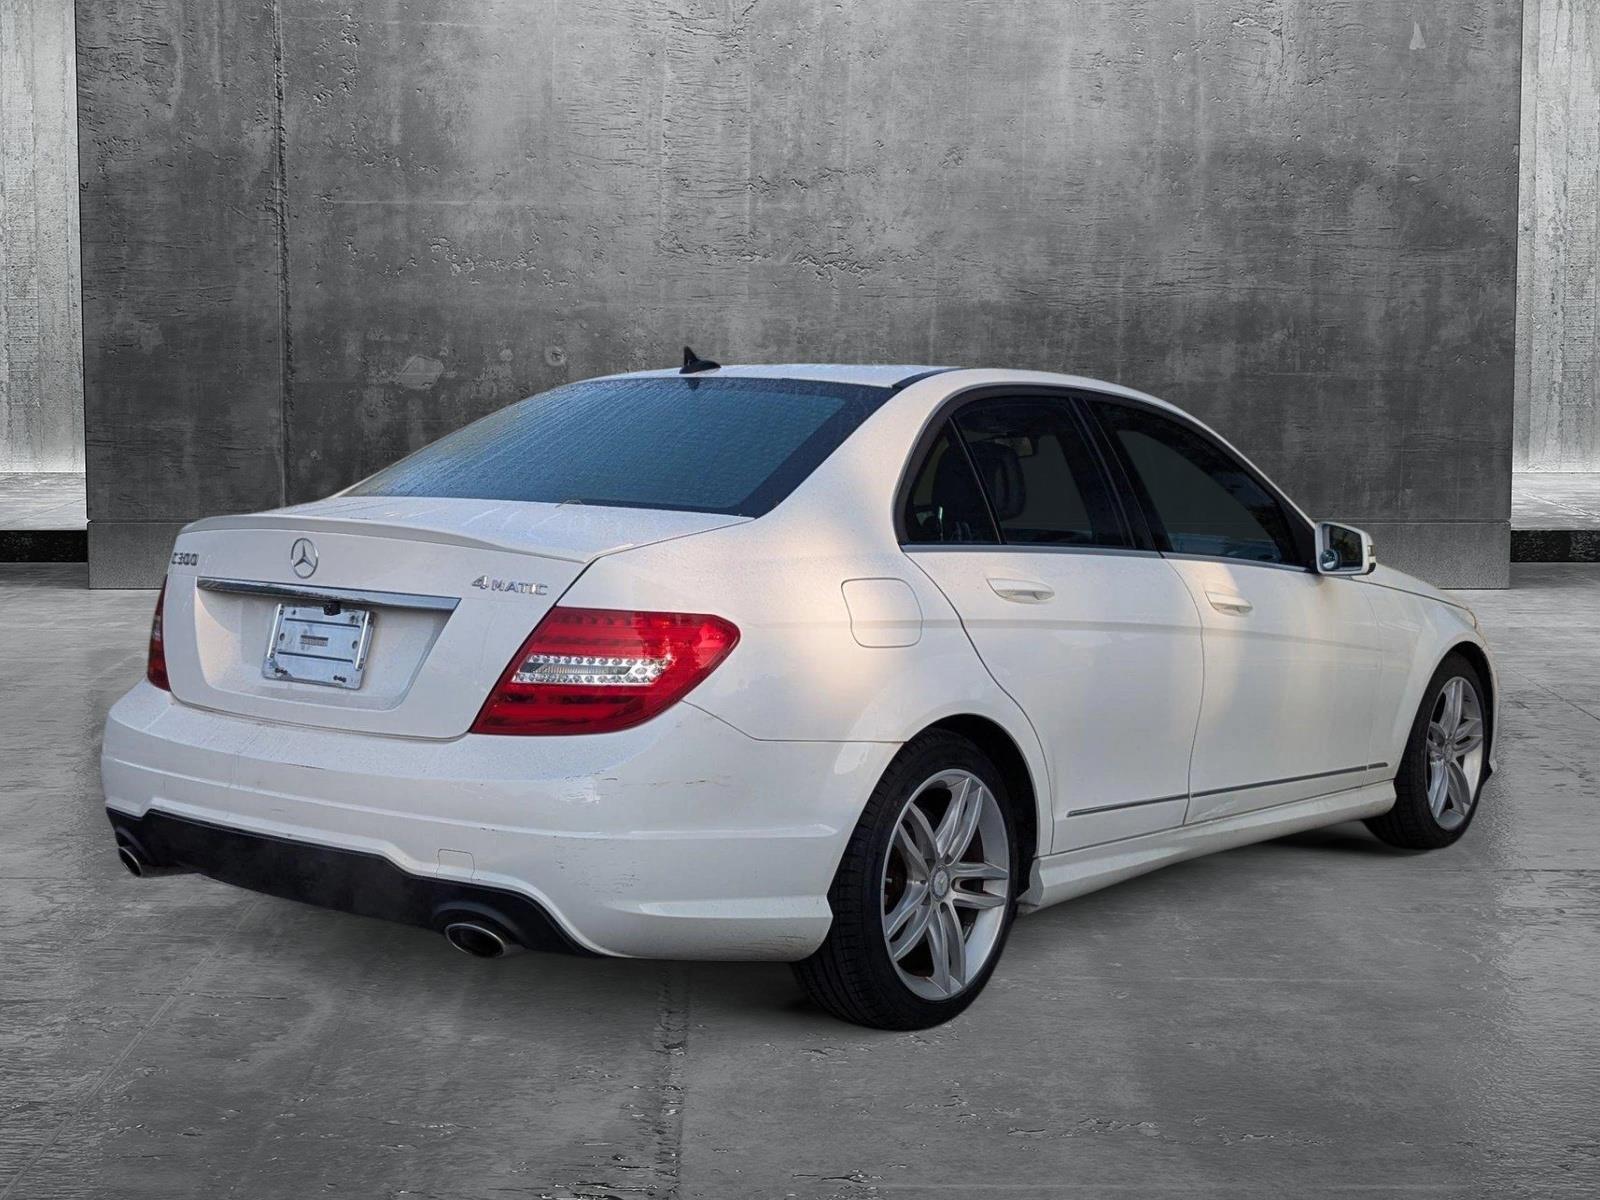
(349, 880)
(682, 838)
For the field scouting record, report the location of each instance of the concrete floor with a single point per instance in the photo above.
(1313, 1017)
(42, 500)
(1555, 500)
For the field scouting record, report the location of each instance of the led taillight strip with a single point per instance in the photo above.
(598, 670)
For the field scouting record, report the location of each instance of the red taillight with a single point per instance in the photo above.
(155, 669)
(595, 670)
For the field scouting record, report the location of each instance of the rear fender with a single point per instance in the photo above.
(800, 672)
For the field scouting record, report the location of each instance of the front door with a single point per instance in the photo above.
(1292, 658)
(1097, 641)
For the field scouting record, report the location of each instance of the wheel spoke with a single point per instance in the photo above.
(917, 827)
(948, 949)
(915, 897)
(1468, 736)
(911, 853)
(1459, 788)
(1450, 718)
(1438, 787)
(914, 930)
(936, 954)
(975, 899)
(983, 870)
(960, 821)
(955, 941)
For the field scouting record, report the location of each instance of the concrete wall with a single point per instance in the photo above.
(41, 348)
(326, 232)
(1558, 334)
(184, 341)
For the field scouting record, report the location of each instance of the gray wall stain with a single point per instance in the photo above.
(1558, 320)
(1277, 214)
(420, 373)
(41, 347)
(182, 332)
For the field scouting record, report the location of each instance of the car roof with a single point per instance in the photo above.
(868, 374)
(901, 374)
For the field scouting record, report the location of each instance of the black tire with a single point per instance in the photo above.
(852, 975)
(1411, 824)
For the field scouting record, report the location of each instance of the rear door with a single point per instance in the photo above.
(1292, 658)
(1094, 636)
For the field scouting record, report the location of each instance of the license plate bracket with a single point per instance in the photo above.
(310, 644)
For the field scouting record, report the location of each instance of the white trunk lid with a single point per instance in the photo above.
(453, 588)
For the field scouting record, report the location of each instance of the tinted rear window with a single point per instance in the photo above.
(730, 445)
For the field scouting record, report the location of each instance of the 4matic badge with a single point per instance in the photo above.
(510, 585)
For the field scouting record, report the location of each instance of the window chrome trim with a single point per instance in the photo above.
(1029, 548)
(327, 595)
(1243, 562)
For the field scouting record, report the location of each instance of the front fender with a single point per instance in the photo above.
(1418, 633)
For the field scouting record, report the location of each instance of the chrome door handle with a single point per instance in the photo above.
(1023, 591)
(1227, 602)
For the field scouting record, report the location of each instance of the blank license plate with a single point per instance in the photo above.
(310, 646)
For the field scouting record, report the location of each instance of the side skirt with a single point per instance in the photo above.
(1058, 877)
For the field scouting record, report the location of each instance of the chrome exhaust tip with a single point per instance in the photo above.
(138, 862)
(479, 939)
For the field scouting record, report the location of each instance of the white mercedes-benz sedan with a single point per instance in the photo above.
(839, 665)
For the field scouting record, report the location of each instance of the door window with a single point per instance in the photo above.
(944, 505)
(1200, 499)
(1044, 482)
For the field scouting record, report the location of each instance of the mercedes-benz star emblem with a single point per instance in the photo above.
(303, 558)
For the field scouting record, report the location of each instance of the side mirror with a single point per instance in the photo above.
(1342, 550)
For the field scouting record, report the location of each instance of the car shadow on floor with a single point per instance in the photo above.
(1055, 934)
(1349, 837)
(538, 989)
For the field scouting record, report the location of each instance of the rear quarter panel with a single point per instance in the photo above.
(799, 672)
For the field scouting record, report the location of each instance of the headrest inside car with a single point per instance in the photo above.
(1001, 472)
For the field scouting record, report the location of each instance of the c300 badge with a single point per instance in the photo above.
(486, 584)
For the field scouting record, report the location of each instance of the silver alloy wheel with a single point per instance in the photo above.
(1455, 752)
(946, 883)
